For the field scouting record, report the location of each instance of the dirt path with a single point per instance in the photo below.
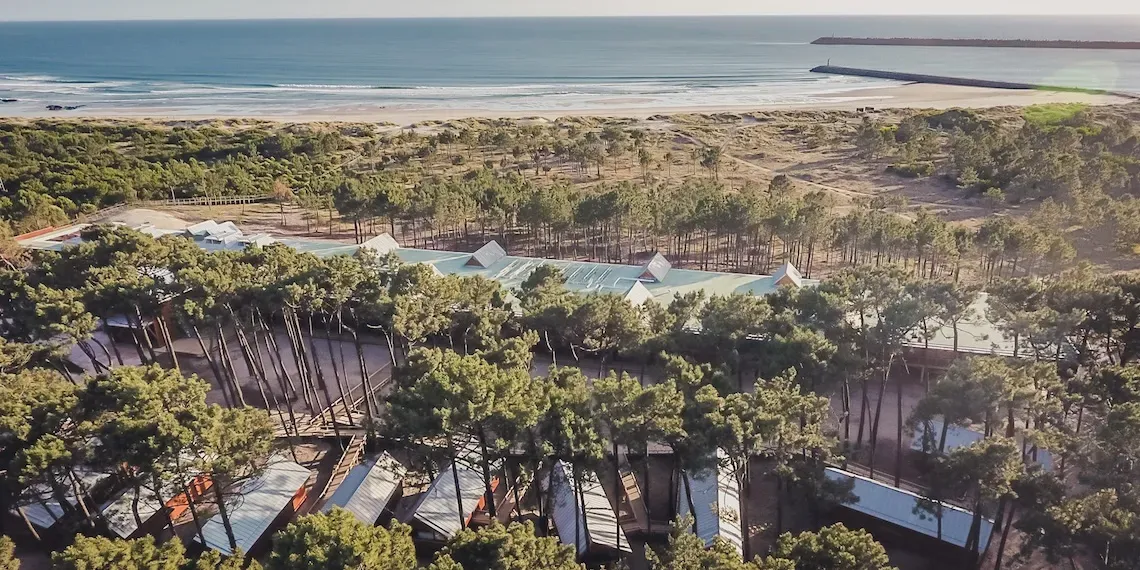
(847, 193)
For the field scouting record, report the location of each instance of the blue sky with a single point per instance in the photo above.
(211, 9)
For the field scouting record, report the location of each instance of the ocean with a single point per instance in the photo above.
(294, 67)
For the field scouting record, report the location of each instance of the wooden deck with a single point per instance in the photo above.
(348, 460)
(632, 513)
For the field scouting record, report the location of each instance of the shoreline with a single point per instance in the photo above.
(910, 95)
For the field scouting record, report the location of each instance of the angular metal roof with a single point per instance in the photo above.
(46, 512)
(595, 523)
(637, 294)
(202, 228)
(509, 270)
(656, 269)
(487, 255)
(898, 507)
(368, 488)
(44, 515)
(437, 508)
(382, 244)
(716, 498)
(958, 436)
(261, 501)
(119, 513)
(788, 275)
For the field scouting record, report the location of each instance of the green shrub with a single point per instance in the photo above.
(993, 196)
(912, 169)
(1052, 114)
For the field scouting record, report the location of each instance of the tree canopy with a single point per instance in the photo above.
(338, 540)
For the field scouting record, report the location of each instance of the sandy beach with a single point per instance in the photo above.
(914, 95)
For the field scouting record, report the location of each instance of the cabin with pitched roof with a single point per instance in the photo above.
(369, 488)
(262, 504)
(590, 524)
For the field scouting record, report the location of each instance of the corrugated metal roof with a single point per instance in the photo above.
(657, 268)
(976, 334)
(368, 488)
(898, 507)
(595, 524)
(45, 513)
(958, 436)
(716, 498)
(590, 277)
(511, 271)
(259, 504)
(119, 513)
(437, 508)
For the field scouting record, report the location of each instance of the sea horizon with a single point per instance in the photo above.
(241, 67)
(579, 17)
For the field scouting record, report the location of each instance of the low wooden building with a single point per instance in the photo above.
(369, 488)
(276, 494)
(591, 525)
(436, 515)
(715, 506)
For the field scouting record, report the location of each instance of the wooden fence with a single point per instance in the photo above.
(195, 201)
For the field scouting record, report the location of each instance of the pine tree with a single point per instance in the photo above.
(338, 540)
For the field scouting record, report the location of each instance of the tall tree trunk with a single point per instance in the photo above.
(274, 351)
(898, 431)
(618, 483)
(28, 523)
(81, 497)
(369, 409)
(114, 345)
(779, 504)
(581, 498)
(1004, 535)
(878, 415)
(158, 495)
(227, 362)
(224, 512)
(221, 378)
(300, 360)
(166, 338)
(145, 333)
(864, 406)
(135, 336)
(485, 463)
(846, 418)
(455, 480)
(345, 393)
(190, 503)
(745, 499)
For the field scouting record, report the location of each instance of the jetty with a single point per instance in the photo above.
(922, 78)
(984, 43)
(963, 81)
